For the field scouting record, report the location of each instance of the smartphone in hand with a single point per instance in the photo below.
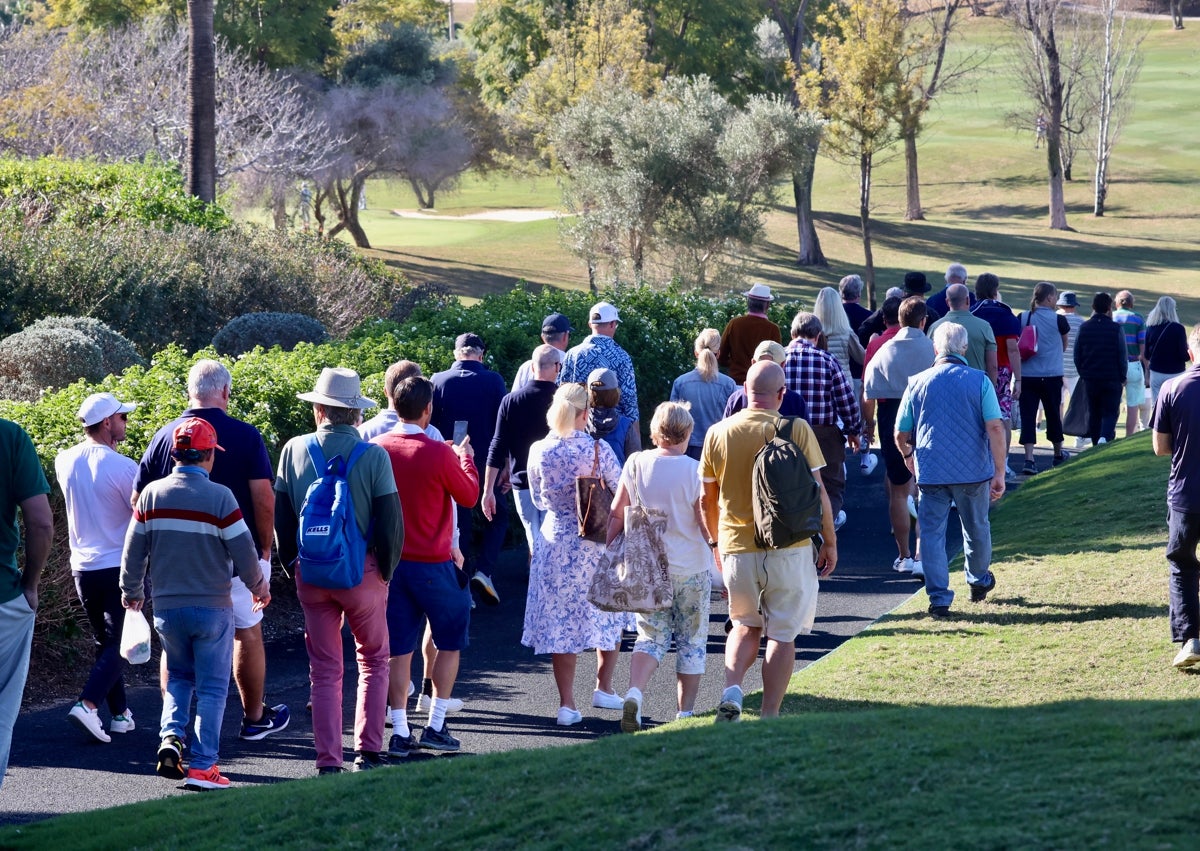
(460, 432)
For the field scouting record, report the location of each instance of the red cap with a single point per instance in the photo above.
(195, 433)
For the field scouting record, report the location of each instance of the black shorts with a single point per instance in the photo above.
(897, 471)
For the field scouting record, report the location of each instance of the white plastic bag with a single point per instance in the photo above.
(135, 638)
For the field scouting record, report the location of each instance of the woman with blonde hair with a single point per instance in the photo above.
(667, 479)
(559, 620)
(1166, 345)
(841, 341)
(704, 388)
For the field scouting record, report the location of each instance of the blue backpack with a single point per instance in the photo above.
(331, 547)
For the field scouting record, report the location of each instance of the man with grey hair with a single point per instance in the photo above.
(470, 392)
(950, 434)
(956, 273)
(981, 339)
(817, 376)
(520, 421)
(337, 404)
(850, 288)
(245, 468)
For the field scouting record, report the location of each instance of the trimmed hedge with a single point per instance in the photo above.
(252, 330)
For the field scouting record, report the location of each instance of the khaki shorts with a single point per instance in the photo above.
(1135, 384)
(243, 601)
(775, 590)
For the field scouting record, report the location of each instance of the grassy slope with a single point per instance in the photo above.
(984, 191)
(1047, 717)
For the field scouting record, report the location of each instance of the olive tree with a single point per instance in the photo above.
(678, 178)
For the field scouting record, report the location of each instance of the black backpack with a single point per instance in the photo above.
(786, 497)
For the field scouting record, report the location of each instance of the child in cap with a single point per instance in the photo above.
(189, 534)
(605, 420)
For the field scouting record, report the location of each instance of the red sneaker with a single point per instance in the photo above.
(205, 778)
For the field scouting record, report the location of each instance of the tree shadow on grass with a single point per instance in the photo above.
(1008, 612)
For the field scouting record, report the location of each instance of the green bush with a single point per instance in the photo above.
(180, 286)
(39, 359)
(116, 353)
(76, 192)
(268, 330)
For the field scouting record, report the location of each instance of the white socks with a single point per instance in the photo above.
(400, 723)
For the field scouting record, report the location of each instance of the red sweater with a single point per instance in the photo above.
(428, 475)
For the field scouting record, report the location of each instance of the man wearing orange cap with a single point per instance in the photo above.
(189, 534)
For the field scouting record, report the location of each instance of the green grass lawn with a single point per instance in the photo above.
(984, 191)
(1049, 716)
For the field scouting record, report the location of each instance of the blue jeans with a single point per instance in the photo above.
(1183, 534)
(531, 517)
(198, 641)
(933, 512)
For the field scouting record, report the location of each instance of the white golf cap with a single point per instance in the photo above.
(101, 406)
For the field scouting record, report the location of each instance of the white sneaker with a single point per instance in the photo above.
(122, 723)
(607, 700)
(730, 708)
(1188, 655)
(918, 570)
(869, 463)
(683, 714)
(903, 565)
(631, 714)
(453, 704)
(568, 716)
(88, 720)
(840, 520)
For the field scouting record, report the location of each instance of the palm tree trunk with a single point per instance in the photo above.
(202, 102)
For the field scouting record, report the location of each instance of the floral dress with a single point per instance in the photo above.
(558, 616)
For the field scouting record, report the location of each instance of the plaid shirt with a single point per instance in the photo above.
(817, 376)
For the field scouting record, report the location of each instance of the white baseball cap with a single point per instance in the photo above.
(101, 406)
(603, 312)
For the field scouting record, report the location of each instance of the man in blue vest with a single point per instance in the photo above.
(950, 433)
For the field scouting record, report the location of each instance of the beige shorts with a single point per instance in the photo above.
(775, 590)
(244, 616)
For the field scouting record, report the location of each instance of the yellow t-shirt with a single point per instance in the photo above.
(728, 459)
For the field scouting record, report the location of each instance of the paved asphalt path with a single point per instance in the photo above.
(510, 696)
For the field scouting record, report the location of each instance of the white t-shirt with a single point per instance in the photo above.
(97, 482)
(671, 483)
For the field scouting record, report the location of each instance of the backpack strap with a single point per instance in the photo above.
(316, 455)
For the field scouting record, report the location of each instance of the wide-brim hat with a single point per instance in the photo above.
(760, 291)
(915, 283)
(1067, 299)
(338, 387)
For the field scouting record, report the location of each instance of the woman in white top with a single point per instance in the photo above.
(667, 479)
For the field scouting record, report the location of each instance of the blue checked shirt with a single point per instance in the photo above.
(816, 375)
(600, 352)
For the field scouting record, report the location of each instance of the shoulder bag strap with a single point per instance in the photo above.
(596, 457)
